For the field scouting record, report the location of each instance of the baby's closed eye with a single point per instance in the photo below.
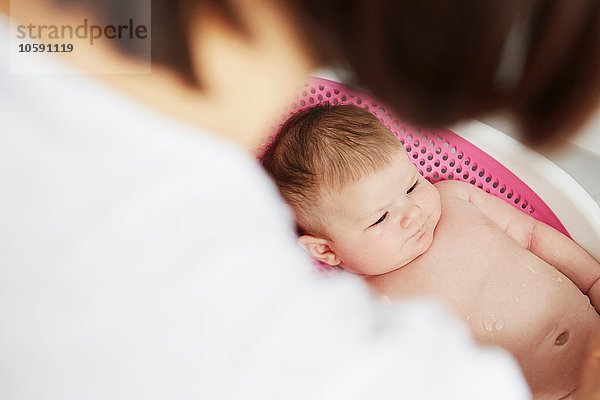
(409, 191)
(381, 219)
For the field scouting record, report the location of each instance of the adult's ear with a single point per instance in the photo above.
(319, 249)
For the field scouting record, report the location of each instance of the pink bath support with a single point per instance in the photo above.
(439, 155)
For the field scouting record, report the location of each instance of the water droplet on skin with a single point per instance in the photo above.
(499, 325)
(471, 314)
(532, 269)
(538, 269)
(522, 285)
(489, 322)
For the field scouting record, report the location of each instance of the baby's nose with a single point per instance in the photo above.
(411, 214)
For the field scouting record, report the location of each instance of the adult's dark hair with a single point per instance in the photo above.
(438, 61)
(434, 61)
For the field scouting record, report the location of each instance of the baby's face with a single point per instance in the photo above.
(385, 220)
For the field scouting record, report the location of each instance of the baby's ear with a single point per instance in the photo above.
(319, 249)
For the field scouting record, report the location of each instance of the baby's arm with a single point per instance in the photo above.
(542, 240)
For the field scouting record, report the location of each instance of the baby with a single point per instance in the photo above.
(362, 205)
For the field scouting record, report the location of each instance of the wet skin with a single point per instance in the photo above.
(507, 295)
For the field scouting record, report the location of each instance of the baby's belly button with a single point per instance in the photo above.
(558, 337)
(574, 329)
(562, 338)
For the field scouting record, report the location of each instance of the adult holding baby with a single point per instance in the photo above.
(144, 255)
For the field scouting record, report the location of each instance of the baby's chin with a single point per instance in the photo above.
(420, 245)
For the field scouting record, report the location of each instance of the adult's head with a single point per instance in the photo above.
(437, 62)
(433, 62)
(227, 67)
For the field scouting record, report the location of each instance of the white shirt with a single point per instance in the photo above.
(141, 259)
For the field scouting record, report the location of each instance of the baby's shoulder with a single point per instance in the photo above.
(454, 189)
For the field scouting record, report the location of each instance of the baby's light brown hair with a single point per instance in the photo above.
(322, 149)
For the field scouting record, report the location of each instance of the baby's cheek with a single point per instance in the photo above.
(383, 254)
(358, 257)
(368, 257)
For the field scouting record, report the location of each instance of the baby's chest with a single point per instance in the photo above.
(469, 246)
(477, 269)
(474, 253)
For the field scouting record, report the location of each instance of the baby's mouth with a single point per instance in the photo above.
(419, 233)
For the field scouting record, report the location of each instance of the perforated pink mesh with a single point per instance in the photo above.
(439, 155)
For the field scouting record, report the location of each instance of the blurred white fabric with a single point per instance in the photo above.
(141, 259)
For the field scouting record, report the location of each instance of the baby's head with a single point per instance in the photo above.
(358, 201)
